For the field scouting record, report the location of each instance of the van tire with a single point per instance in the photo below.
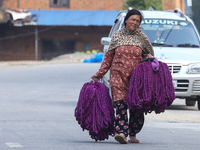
(198, 104)
(190, 102)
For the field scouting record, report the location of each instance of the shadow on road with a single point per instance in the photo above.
(106, 141)
(182, 107)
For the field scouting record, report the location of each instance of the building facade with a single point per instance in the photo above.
(172, 4)
(18, 43)
(81, 4)
(65, 4)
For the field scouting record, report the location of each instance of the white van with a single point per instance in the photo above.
(176, 42)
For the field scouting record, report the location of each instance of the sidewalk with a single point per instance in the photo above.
(67, 58)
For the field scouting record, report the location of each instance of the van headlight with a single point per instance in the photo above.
(195, 68)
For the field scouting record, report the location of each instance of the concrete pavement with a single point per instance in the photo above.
(37, 113)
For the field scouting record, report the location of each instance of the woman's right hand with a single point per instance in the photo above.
(94, 77)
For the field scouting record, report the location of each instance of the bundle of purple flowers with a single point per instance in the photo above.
(150, 90)
(94, 111)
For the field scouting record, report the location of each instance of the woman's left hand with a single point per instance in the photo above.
(94, 77)
(149, 56)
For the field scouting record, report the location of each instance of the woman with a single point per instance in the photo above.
(128, 47)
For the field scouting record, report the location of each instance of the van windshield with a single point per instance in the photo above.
(172, 33)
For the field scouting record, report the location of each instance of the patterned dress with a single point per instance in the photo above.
(122, 61)
(126, 50)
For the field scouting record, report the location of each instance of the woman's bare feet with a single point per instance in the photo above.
(121, 138)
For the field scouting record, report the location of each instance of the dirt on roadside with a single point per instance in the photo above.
(178, 112)
(67, 58)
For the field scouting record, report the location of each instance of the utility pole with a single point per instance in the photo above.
(36, 43)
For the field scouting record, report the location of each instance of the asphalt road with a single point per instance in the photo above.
(37, 105)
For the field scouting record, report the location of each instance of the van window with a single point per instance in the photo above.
(172, 33)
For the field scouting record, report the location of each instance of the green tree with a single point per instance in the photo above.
(144, 4)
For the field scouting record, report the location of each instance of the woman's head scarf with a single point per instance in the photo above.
(133, 12)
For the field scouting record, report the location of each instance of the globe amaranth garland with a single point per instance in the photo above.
(94, 111)
(150, 90)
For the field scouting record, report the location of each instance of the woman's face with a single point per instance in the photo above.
(133, 22)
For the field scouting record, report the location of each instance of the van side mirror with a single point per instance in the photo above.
(105, 40)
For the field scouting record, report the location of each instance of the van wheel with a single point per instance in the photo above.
(189, 102)
(198, 104)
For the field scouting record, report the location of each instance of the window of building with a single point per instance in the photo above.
(59, 3)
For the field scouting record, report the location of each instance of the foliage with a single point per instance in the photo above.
(144, 4)
(89, 52)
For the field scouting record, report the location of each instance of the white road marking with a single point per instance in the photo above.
(12, 145)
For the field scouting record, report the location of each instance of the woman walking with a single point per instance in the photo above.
(128, 47)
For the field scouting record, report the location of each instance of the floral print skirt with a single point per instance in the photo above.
(121, 124)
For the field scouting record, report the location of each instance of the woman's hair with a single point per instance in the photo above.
(133, 12)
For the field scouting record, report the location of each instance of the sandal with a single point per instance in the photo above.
(121, 138)
(133, 139)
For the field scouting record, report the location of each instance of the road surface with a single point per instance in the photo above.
(37, 113)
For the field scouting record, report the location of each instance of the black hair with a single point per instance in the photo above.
(133, 12)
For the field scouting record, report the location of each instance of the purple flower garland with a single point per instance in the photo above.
(150, 90)
(94, 111)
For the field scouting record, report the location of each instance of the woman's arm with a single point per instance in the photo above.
(105, 66)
